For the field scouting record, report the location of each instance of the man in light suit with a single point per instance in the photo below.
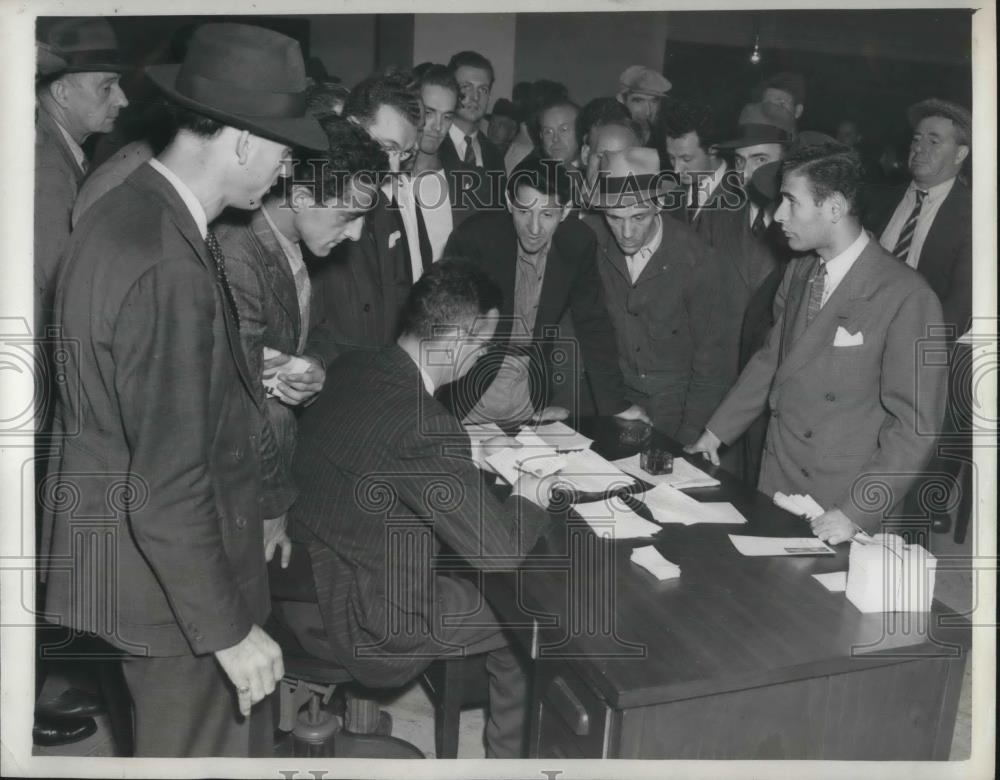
(164, 415)
(852, 406)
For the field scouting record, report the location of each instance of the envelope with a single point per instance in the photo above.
(394, 237)
(845, 339)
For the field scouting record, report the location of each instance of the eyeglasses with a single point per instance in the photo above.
(550, 132)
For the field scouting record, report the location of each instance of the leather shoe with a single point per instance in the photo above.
(72, 703)
(49, 732)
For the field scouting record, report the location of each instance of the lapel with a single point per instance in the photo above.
(276, 270)
(51, 128)
(839, 310)
(947, 223)
(555, 285)
(179, 215)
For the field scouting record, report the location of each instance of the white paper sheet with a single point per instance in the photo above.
(478, 433)
(651, 560)
(562, 437)
(769, 545)
(798, 504)
(685, 475)
(613, 518)
(669, 505)
(834, 581)
(588, 472)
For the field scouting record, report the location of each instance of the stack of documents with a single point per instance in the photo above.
(777, 545)
(669, 505)
(612, 518)
(797, 504)
(528, 454)
(588, 472)
(685, 475)
(649, 559)
(563, 438)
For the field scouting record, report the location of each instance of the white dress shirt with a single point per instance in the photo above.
(637, 262)
(189, 198)
(768, 217)
(399, 188)
(458, 138)
(300, 276)
(707, 187)
(430, 190)
(932, 203)
(837, 267)
(74, 147)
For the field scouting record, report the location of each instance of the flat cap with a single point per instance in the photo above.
(639, 78)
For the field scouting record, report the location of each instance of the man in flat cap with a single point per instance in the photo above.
(172, 518)
(787, 90)
(78, 94)
(640, 90)
(928, 225)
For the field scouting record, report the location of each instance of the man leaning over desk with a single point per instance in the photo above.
(853, 405)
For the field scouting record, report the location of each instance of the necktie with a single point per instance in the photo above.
(906, 234)
(758, 227)
(403, 243)
(220, 269)
(470, 153)
(817, 284)
(426, 253)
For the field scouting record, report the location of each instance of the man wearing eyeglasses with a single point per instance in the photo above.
(557, 132)
(475, 167)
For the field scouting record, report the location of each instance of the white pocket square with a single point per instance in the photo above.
(394, 237)
(845, 339)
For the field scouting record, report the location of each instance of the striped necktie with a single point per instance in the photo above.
(220, 268)
(817, 285)
(902, 249)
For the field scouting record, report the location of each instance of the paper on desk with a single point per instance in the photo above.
(478, 433)
(510, 462)
(685, 475)
(669, 505)
(588, 472)
(834, 581)
(797, 504)
(562, 437)
(651, 560)
(611, 517)
(771, 545)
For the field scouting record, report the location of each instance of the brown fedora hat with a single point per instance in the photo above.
(631, 177)
(247, 77)
(84, 44)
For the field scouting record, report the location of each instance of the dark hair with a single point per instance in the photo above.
(792, 83)
(352, 158)
(451, 292)
(829, 168)
(543, 93)
(392, 87)
(433, 74)
(181, 118)
(470, 59)
(681, 117)
(549, 177)
(599, 111)
(322, 97)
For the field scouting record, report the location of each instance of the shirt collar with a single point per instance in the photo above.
(291, 249)
(74, 147)
(704, 193)
(839, 265)
(937, 192)
(189, 198)
(458, 137)
(649, 249)
(428, 382)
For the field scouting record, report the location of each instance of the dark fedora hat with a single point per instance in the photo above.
(247, 77)
(763, 123)
(631, 177)
(84, 44)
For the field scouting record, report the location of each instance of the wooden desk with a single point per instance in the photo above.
(740, 658)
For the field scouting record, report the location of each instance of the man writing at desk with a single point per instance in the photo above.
(387, 477)
(840, 369)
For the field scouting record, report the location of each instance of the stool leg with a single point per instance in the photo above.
(448, 710)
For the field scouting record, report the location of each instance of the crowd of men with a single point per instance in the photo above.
(289, 296)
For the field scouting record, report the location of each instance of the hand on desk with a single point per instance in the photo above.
(254, 666)
(635, 412)
(298, 388)
(833, 527)
(275, 536)
(550, 414)
(708, 445)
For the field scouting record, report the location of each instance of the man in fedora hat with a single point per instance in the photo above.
(77, 93)
(164, 415)
(640, 90)
(662, 290)
(786, 89)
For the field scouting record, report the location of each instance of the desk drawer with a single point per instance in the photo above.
(570, 720)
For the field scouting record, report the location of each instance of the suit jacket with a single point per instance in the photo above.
(571, 284)
(156, 502)
(266, 299)
(946, 255)
(474, 189)
(849, 425)
(387, 478)
(671, 345)
(57, 181)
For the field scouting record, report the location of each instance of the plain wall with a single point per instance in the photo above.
(345, 43)
(438, 36)
(587, 51)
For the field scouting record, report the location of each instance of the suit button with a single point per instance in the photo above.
(367, 307)
(805, 472)
(808, 434)
(831, 397)
(241, 522)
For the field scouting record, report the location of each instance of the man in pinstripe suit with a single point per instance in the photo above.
(388, 486)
